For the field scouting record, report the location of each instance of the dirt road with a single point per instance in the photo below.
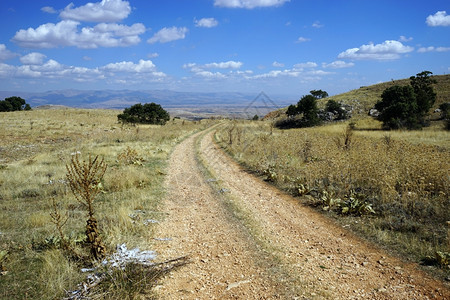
(248, 240)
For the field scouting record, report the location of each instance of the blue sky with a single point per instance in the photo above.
(277, 46)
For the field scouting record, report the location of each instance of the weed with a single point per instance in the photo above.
(130, 156)
(356, 204)
(3, 256)
(396, 185)
(84, 179)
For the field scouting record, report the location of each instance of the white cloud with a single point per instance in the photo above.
(278, 73)
(202, 70)
(33, 58)
(277, 64)
(438, 19)
(302, 40)
(338, 64)
(140, 72)
(6, 71)
(305, 65)
(388, 50)
(152, 55)
(249, 4)
(224, 65)
(168, 34)
(48, 9)
(104, 11)
(87, 58)
(317, 24)
(405, 39)
(144, 66)
(65, 33)
(206, 22)
(433, 49)
(5, 53)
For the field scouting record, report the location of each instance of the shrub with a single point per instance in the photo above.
(14, 104)
(407, 106)
(307, 106)
(149, 113)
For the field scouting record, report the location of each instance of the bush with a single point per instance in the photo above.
(149, 113)
(407, 106)
(13, 104)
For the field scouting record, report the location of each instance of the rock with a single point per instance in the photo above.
(374, 112)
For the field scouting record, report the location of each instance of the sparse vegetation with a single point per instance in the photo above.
(33, 185)
(396, 190)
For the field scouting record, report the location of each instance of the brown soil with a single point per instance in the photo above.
(248, 240)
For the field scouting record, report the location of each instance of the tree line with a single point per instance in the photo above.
(400, 107)
(13, 104)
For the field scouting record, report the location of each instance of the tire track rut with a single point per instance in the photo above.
(236, 257)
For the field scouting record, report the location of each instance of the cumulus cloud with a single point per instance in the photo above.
(104, 11)
(203, 70)
(277, 64)
(249, 4)
(317, 24)
(65, 33)
(305, 65)
(33, 58)
(143, 71)
(405, 39)
(433, 49)
(278, 73)
(168, 34)
(152, 55)
(438, 19)
(338, 64)
(388, 50)
(5, 53)
(206, 22)
(6, 70)
(144, 66)
(48, 9)
(224, 65)
(302, 40)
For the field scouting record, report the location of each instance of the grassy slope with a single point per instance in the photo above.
(36, 146)
(403, 175)
(367, 96)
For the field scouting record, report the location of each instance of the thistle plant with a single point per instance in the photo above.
(59, 220)
(85, 181)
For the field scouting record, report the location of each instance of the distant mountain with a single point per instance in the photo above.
(178, 103)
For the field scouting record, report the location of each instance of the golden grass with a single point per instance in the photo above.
(403, 175)
(36, 146)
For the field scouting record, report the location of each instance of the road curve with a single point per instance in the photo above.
(248, 240)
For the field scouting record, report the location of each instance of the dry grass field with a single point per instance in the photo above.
(390, 187)
(35, 148)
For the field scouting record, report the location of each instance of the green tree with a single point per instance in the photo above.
(149, 113)
(308, 107)
(319, 94)
(291, 110)
(422, 84)
(407, 106)
(398, 108)
(5, 106)
(14, 104)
